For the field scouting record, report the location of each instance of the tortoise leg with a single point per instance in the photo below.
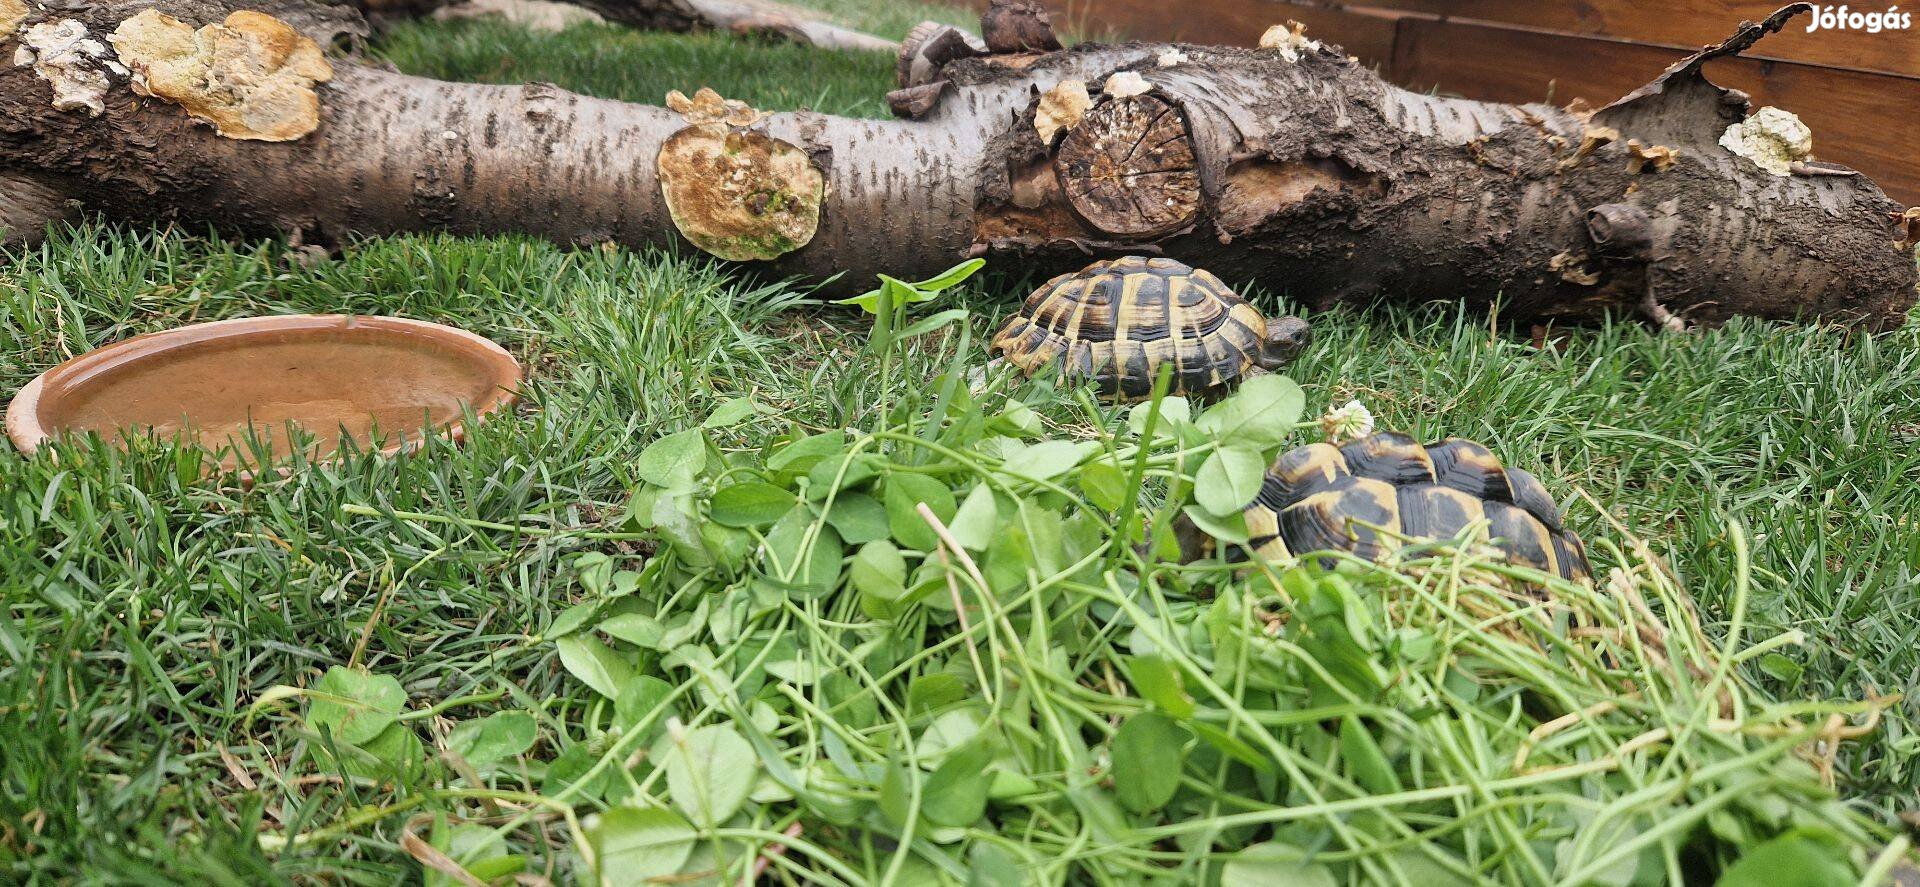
(1194, 542)
(978, 376)
(1216, 393)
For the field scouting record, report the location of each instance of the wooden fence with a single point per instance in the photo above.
(1859, 91)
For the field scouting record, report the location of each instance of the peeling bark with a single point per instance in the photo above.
(1290, 168)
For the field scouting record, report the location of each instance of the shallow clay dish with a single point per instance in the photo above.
(334, 376)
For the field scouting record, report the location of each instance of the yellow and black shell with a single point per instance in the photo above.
(1118, 321)
(1325, 498)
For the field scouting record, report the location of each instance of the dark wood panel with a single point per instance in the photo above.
(1686, 23)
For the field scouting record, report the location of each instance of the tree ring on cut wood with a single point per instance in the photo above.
(740, 194)
(1128, 168)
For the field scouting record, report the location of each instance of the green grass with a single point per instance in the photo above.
(643, 67)
(893, 18)
(146, 611)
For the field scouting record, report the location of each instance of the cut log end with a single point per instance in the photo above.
(915, 102)
(1128, 168)
(927, 49)
(910, 48)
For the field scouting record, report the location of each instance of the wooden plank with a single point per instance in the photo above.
(1687, 23)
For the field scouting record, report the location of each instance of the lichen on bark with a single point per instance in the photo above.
(77, 66)
(251, 76)
(732, 189)
(1772, 138)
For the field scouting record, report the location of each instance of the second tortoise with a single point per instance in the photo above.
(1366, 496)
(1118, 321)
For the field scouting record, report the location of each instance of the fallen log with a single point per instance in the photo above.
(28, 204)
(1290, 167)
(763, 18)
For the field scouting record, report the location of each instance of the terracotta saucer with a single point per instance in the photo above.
(239, 385)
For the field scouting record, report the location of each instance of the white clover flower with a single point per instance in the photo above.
(1349, 422)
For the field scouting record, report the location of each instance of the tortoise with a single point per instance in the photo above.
(1325, 498)
(1117, 321)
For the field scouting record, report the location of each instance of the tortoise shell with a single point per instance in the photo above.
(1325, 498)
(1118, 321)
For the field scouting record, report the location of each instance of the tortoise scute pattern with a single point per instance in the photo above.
(1324, 498)
(1117, 322)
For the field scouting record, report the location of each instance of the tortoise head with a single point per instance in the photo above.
(1286, 338)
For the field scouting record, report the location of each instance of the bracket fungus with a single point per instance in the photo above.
(1641, 156)
(1906, 227)
(12, 13)
(732, 189)
(1290, 39)
(1593, 139)
(251, 76)
(1122, 84)
(1572, 268)
(1060, 108)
